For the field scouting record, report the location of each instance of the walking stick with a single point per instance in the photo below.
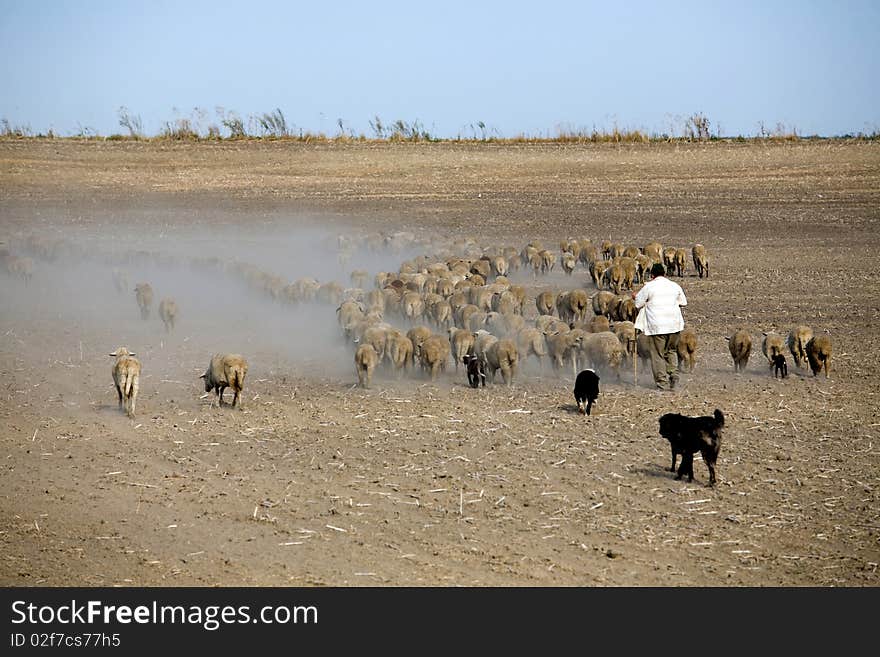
(634, 345)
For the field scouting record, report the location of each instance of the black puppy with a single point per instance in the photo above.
(586, 390)
(780, 367)
(476, 371)
(687, 435)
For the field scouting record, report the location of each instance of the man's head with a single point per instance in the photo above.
(658, 270)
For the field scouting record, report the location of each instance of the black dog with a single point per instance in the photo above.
(586, 390)
(780, 367)
(476, 371)
(687, 435)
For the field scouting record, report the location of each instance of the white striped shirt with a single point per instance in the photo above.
(660, 299)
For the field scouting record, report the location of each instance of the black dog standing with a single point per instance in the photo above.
(687, 435)
(586, 390)
(780, 367)
(476, 371)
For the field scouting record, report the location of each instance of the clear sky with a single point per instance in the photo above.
(519, 67)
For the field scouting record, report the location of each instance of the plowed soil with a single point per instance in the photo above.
(412, 482)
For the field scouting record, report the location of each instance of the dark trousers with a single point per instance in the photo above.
(664, 359)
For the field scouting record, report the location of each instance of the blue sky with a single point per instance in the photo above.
(521, 68)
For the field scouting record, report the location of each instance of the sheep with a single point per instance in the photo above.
(548, 261)
(616, 250)
(669, 259)
(626, 333)
(630, 271)
(168, 313)
(603, 351)
(462, 342)
(603, 302)
(772, 345)
(144, 296)
(442, 312)
(531, 342)
(126, 376)
(502, 355)
(476, 321)
(597, 271)
(464, 315)
(797, 343)
(740, 345)
(417, 335)
(568, 262)
(482, 341)
(819, 354)
(546, 302)
(564, 346)
(631, 252)
(701, 260)
(365, 360)
(226, 370)
(348, 314)
(548, 324)
(573, 305)
(433, 355)
(614, 278)
(398, 351)
(359, 277)
(588, 254)
(625, 309)
(413, 306)
(377, 336)
(643, 267)
(606, 249)
(500, 266)
(23, 267)
(687, 349)
(654, 250)
(120, 281)
(481, 268)
(680, 262)
(519, 294)
(599, 323)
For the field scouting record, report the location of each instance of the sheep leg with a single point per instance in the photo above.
(119, 392)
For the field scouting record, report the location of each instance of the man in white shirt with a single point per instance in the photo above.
(660, 319)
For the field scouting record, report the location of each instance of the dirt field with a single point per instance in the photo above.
(317, 482)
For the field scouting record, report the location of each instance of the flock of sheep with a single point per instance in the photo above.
(465, 308)
(458, 305)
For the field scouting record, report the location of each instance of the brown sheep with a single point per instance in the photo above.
(597, 271)
(626, 333)
(417, 335)
(701, 260)
(462, 342)
(548, 261)
(599, 323)
(687, 349)
(568, 262)
(680, 262)
(545, 302)
(603, 351)
(126, 376)
(502, 355)
(625, 309)
(819, 354)
(772, 345)
(669, 259)
(434, 353)
(572, 305)
(398, 351)
(614, 278)
(365, 360)
(168, 313)
(531, 342)
(144, 295)
(740, 345)
(226, 371)
(604, 302)
(797, 344)
(564, 346)
(654, 250)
